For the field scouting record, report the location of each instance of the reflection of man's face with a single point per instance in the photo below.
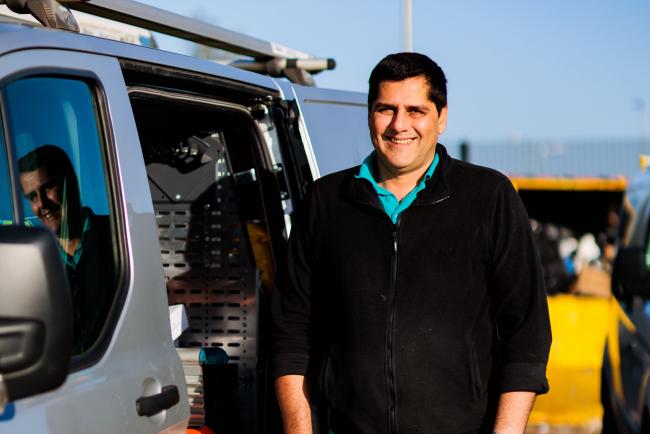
(45, 196)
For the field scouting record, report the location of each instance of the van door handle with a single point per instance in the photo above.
(151, 405)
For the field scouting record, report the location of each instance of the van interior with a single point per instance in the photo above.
(205, 164)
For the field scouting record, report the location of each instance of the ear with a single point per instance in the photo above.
(370, 113)
(442, 120)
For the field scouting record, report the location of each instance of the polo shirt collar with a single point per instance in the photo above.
(436, 187)
(389, 202)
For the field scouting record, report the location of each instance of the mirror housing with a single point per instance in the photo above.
(630, 276)
(36, 315)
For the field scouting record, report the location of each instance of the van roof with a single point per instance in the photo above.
(266, 56)
(17, 37)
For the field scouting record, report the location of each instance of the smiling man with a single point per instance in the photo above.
(49, 184)
(413, 300)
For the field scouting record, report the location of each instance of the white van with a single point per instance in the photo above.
(133, 178)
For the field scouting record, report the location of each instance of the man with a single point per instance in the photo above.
(49, 183)
(414, 301)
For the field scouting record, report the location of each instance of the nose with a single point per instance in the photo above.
(400, 121)
(36, 205)
(44, 200)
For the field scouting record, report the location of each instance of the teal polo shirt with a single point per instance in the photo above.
(392, 206)
(73, 260)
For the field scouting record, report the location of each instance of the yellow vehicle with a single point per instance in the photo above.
(579, 317)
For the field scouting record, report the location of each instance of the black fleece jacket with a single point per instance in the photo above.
(415, 327)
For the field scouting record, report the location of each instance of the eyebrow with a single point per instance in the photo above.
(381, 105)
(417, 107)
(47, 184)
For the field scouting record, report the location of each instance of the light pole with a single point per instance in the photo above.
(639, 105)
(408, 24)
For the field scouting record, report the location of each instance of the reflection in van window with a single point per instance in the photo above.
(6, 212)
(53, 124)
(61, 112)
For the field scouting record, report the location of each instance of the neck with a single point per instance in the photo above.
(400, 183)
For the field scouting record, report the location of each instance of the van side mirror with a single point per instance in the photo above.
(630, 276)
(36, 319)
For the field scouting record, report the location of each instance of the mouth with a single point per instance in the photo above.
(50, 215)
(399, 141)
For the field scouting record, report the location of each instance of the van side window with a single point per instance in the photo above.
(6, 205)
(53, 125)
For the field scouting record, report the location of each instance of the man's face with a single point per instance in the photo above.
(405, 124)
(45, 197)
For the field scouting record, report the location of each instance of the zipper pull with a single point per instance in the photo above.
(395, 242)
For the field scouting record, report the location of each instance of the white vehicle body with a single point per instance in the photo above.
(296, 133)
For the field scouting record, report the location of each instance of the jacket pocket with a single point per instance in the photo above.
(475, 374)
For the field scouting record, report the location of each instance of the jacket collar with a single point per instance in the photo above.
(361, 191)
(437, 188)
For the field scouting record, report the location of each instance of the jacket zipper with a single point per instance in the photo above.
(390, 359)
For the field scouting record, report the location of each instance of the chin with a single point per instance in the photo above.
(53, 226)
(400, 165)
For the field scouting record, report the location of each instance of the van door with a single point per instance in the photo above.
(334, 127)
(216, 177)
(77, 170)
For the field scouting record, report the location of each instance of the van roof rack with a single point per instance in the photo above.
(267, 57)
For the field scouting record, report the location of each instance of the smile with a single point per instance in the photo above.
(399, 141)
(50, 215)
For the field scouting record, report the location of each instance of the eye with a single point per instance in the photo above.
(384, 110)
(417, 112)
(49, 185)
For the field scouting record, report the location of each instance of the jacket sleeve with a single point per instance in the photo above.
(519, 297)
(291, 299)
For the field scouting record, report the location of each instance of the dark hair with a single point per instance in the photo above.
(400, 66)
(57, 163)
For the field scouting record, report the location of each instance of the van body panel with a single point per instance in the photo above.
(334, 125)
(139, 357)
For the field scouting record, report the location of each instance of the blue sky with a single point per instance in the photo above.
(517, 70)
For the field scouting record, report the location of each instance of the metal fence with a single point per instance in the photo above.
(578, 158)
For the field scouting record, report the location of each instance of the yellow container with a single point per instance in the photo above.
(580, 325)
